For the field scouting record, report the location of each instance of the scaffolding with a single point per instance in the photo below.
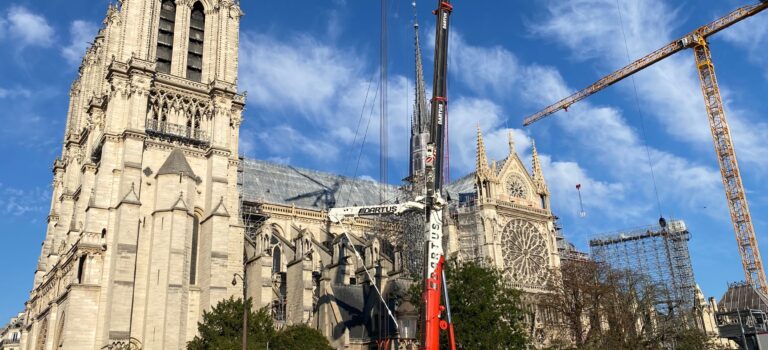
(468, 223)
(661, 254)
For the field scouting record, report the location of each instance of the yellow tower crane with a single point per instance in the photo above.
(721, 134)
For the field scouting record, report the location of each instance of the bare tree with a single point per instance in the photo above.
(604, 308)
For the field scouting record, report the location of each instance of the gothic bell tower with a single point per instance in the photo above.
(143, 232)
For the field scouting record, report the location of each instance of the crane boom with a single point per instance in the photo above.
(658, 55)
(721, 134)
(433, 171)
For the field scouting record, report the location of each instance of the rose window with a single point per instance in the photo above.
(516, 188)
(525, 253)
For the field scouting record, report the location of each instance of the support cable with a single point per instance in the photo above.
(639, 111)
(367, 272)
(365, 136)
(384, 123)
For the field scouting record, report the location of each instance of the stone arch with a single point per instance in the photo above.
(59, 335)
(42, 334)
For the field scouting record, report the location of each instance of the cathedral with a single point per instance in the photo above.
(154, 215)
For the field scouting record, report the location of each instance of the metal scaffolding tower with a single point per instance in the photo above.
(660, 253)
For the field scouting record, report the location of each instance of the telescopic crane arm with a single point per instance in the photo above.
(670, 49)
(433, 318)
(721, 134)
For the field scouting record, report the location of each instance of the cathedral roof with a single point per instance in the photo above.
(176, 163)
(269, 182)
(465, 184)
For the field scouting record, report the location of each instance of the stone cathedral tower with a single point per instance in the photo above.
(143, 232)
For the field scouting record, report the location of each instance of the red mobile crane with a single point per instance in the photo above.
(433, 203)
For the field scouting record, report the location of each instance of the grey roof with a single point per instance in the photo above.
(741, 296)
(176, 163)
(465, 184)
(285, 184)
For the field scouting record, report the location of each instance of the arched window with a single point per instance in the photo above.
(165, 36)
(195, 49)
(276, 260)
(42, 334)
(193, 255)
(81, 270)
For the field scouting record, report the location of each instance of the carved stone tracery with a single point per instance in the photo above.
(525, 253)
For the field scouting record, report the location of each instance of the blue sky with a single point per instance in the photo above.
(307, 65)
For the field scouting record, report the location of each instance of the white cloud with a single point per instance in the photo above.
(483, 69)
(750, 34)
(29, 28)
(18, 202)
(623, 179)
(15, 92)
(320, 89)
(668, 90)
(618, 149)
(247, 144)
(464, 115)
(300, 74)
(81, 34)
(3, 25)
(284, 139)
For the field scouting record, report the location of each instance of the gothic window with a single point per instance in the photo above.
(193, 259)
(525, 253)
(81, 270)
(42, 335)
(59, 340)
(195, 49)
(276, 260)
(165, 36)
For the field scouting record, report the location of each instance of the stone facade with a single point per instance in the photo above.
(153, 213)
(144, 232)
(308, 270)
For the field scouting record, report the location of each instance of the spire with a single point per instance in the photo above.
(420, 109)
(482, 158)
(420, 121)
(538, 174)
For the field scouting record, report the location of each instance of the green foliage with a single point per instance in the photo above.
(222, 327)
(300, 337)
(694, 339)
(486, 312)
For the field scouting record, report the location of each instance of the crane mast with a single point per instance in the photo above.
(729, 170)
(721, 135)
(432, 204)
(433, 250)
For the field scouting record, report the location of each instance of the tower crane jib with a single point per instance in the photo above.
(724, 150)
